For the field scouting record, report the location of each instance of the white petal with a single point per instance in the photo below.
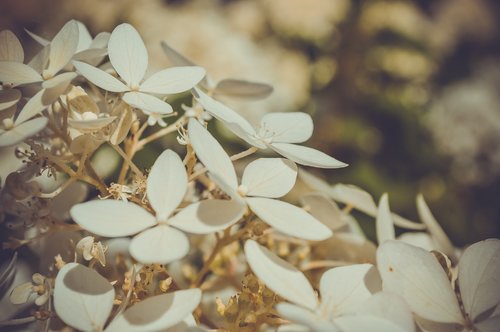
(21, 293)
(391, 307)
(344, 289)
(100, 78)
(269, 177)
(23, 131)
(323, 209)
(160, 245)
(364, 323)
(479, 277)
(128, 54)
(92, 56)
(10, 47)
(232, 120)
(40, 40)
(17, 73)
(63, 47)
(9, 98)
(167, 184)
(416, 275)
(91, 124)
(211, 154)
(158, 312)
(208, 216)
(101, 40)
(242, 89)
(279, 276)
(314, 182)
(438, 234)
(306, 156)
(40, 60)
(83, 299)
(292, 127)
(418, 239)
(62, 79)
(173, 80)
(305, 317)
(147, 103)
(112, 218)
(384, 224)
(40, 101)
(84, 37)
(289, 219)
(355, 197)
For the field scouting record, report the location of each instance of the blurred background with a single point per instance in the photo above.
(406, 92)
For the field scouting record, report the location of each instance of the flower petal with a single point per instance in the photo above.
(83, 298)
(269, 177)
(147, 103)
(159, 245)
(208, 216)
(344, 289)
(488, 325)
(416, 275)
(84, 37)
(61, 79)
(34, 106)
(384, 224)
(167, 184)
(391, 307)
(127, 54)
(306, 156)
(305, 317)
(157, 313)
(10, 47)
(18, 73)
(40, 40)
(173, 80)
(280, 276)
(232, 120)
(112, 218)
(230, 87)
(362, 323)
(63, 47)
(23, 131)
(94, 124)
(100, 78)
(292, 127)
(9, 98)
(288, 219)
(479, 277)
(438, 234)
(323, 209)
(211, 154)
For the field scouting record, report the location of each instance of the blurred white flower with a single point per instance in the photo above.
(91, 250)
(38, 286)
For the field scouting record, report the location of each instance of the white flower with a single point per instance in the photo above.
(23, 292)
(263, 180)
(347, 302)
(158, 241)
(278, 131)
(129, 58)
(88, 50)
(417, 276)
(43, 69)
(83, 299)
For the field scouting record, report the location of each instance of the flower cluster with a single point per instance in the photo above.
(175, 241)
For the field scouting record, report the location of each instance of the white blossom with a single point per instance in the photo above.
(159, 240)
(128, 56)
(263, 180)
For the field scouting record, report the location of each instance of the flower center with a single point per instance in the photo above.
(242, 190)
(8, 124)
